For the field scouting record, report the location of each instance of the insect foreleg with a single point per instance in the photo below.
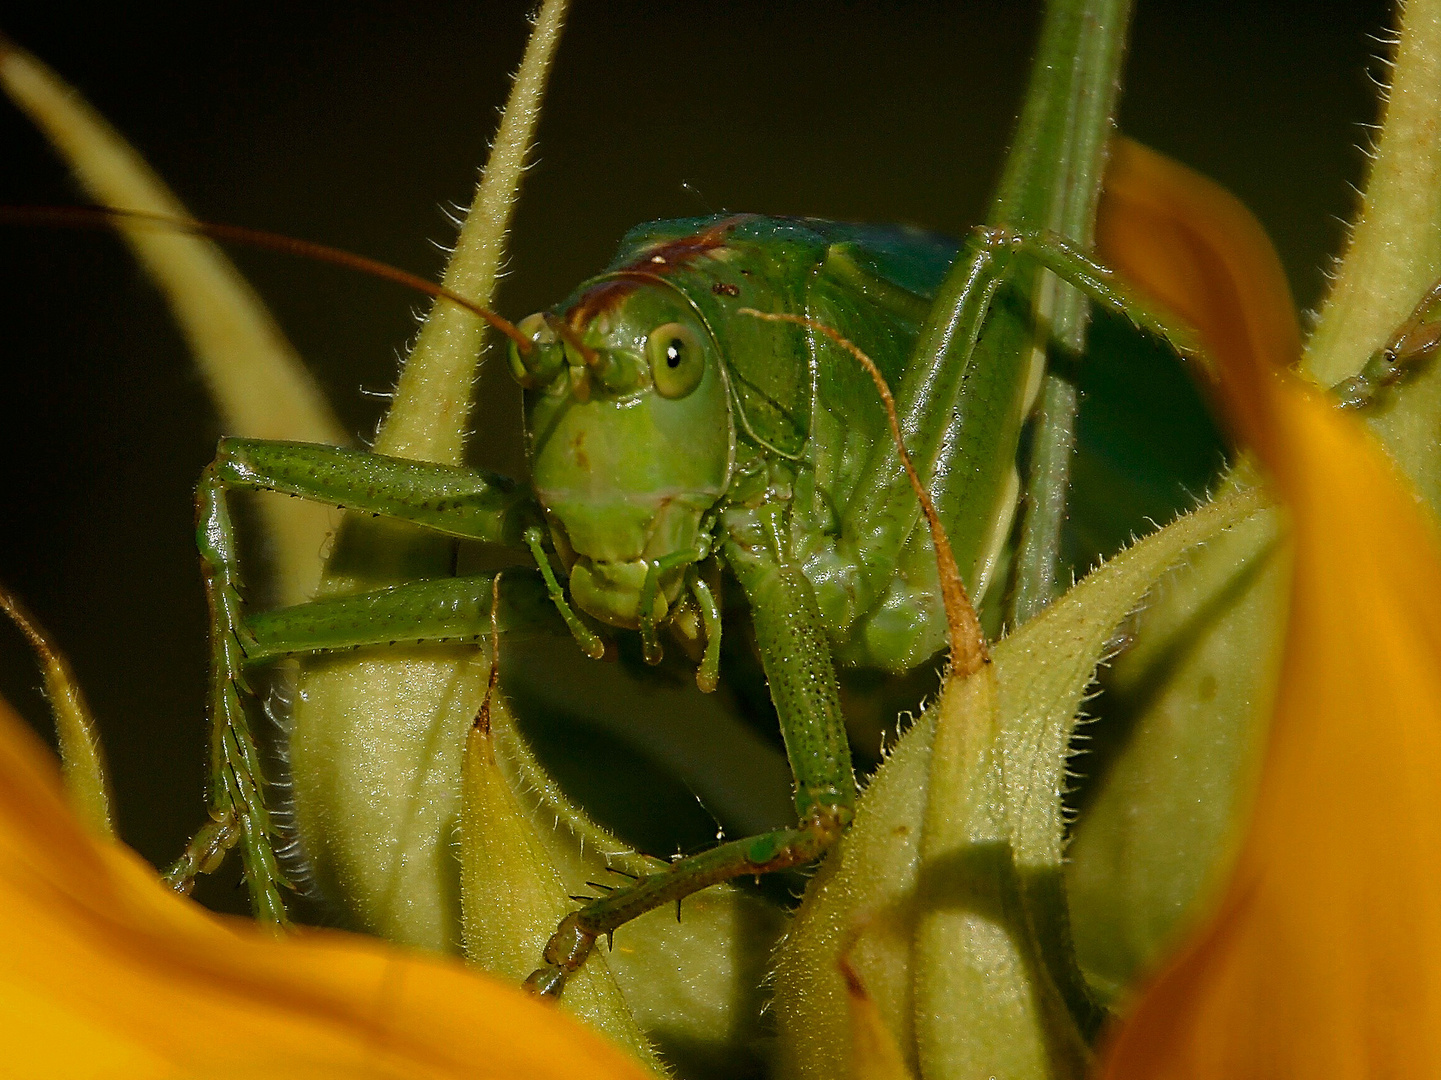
(458, 502)
(796, 657)
(454, 501)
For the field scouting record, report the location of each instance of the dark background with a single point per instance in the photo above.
(351, 124)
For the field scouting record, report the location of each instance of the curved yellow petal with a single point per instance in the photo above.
(104, 972)
(1189, 243)
(1324, 957)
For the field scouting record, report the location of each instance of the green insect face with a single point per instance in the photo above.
(630, 437)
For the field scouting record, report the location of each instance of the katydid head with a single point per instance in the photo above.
(630, 437)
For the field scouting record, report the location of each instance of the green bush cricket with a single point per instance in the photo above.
(677, 580)
(635, 364)
(783, 445)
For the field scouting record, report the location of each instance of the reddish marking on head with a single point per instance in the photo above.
(651, 265)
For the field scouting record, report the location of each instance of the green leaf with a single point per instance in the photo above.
(1394, 254)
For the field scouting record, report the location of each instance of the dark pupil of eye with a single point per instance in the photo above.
(673, 353)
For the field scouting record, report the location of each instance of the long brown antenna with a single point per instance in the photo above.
(968, 643)
(105, 217)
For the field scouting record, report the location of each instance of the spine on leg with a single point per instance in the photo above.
(236, 779)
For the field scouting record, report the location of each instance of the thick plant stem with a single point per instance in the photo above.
(1395, 250)
(1052, 182)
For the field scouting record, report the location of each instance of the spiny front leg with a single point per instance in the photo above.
(456, 502)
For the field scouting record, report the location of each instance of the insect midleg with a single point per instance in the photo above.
(458, 502)
(453, 501)
(797, 660)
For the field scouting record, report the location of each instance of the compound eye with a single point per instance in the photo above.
(676, 360)
(544, 360)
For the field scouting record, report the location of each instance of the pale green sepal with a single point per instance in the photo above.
(1191, 691)
(875, 1054)
(1407, 422)
(1054, 660)
(870, 893)
(258, 383)
(693, 984)
(375, 753)
(512, 897)
(863, 899)
(981, 1007)
(82, 757)
(376, 743)
(1394, 253)
(430, 415)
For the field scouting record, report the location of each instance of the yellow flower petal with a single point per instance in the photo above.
(1324, 957)
(104, 972)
